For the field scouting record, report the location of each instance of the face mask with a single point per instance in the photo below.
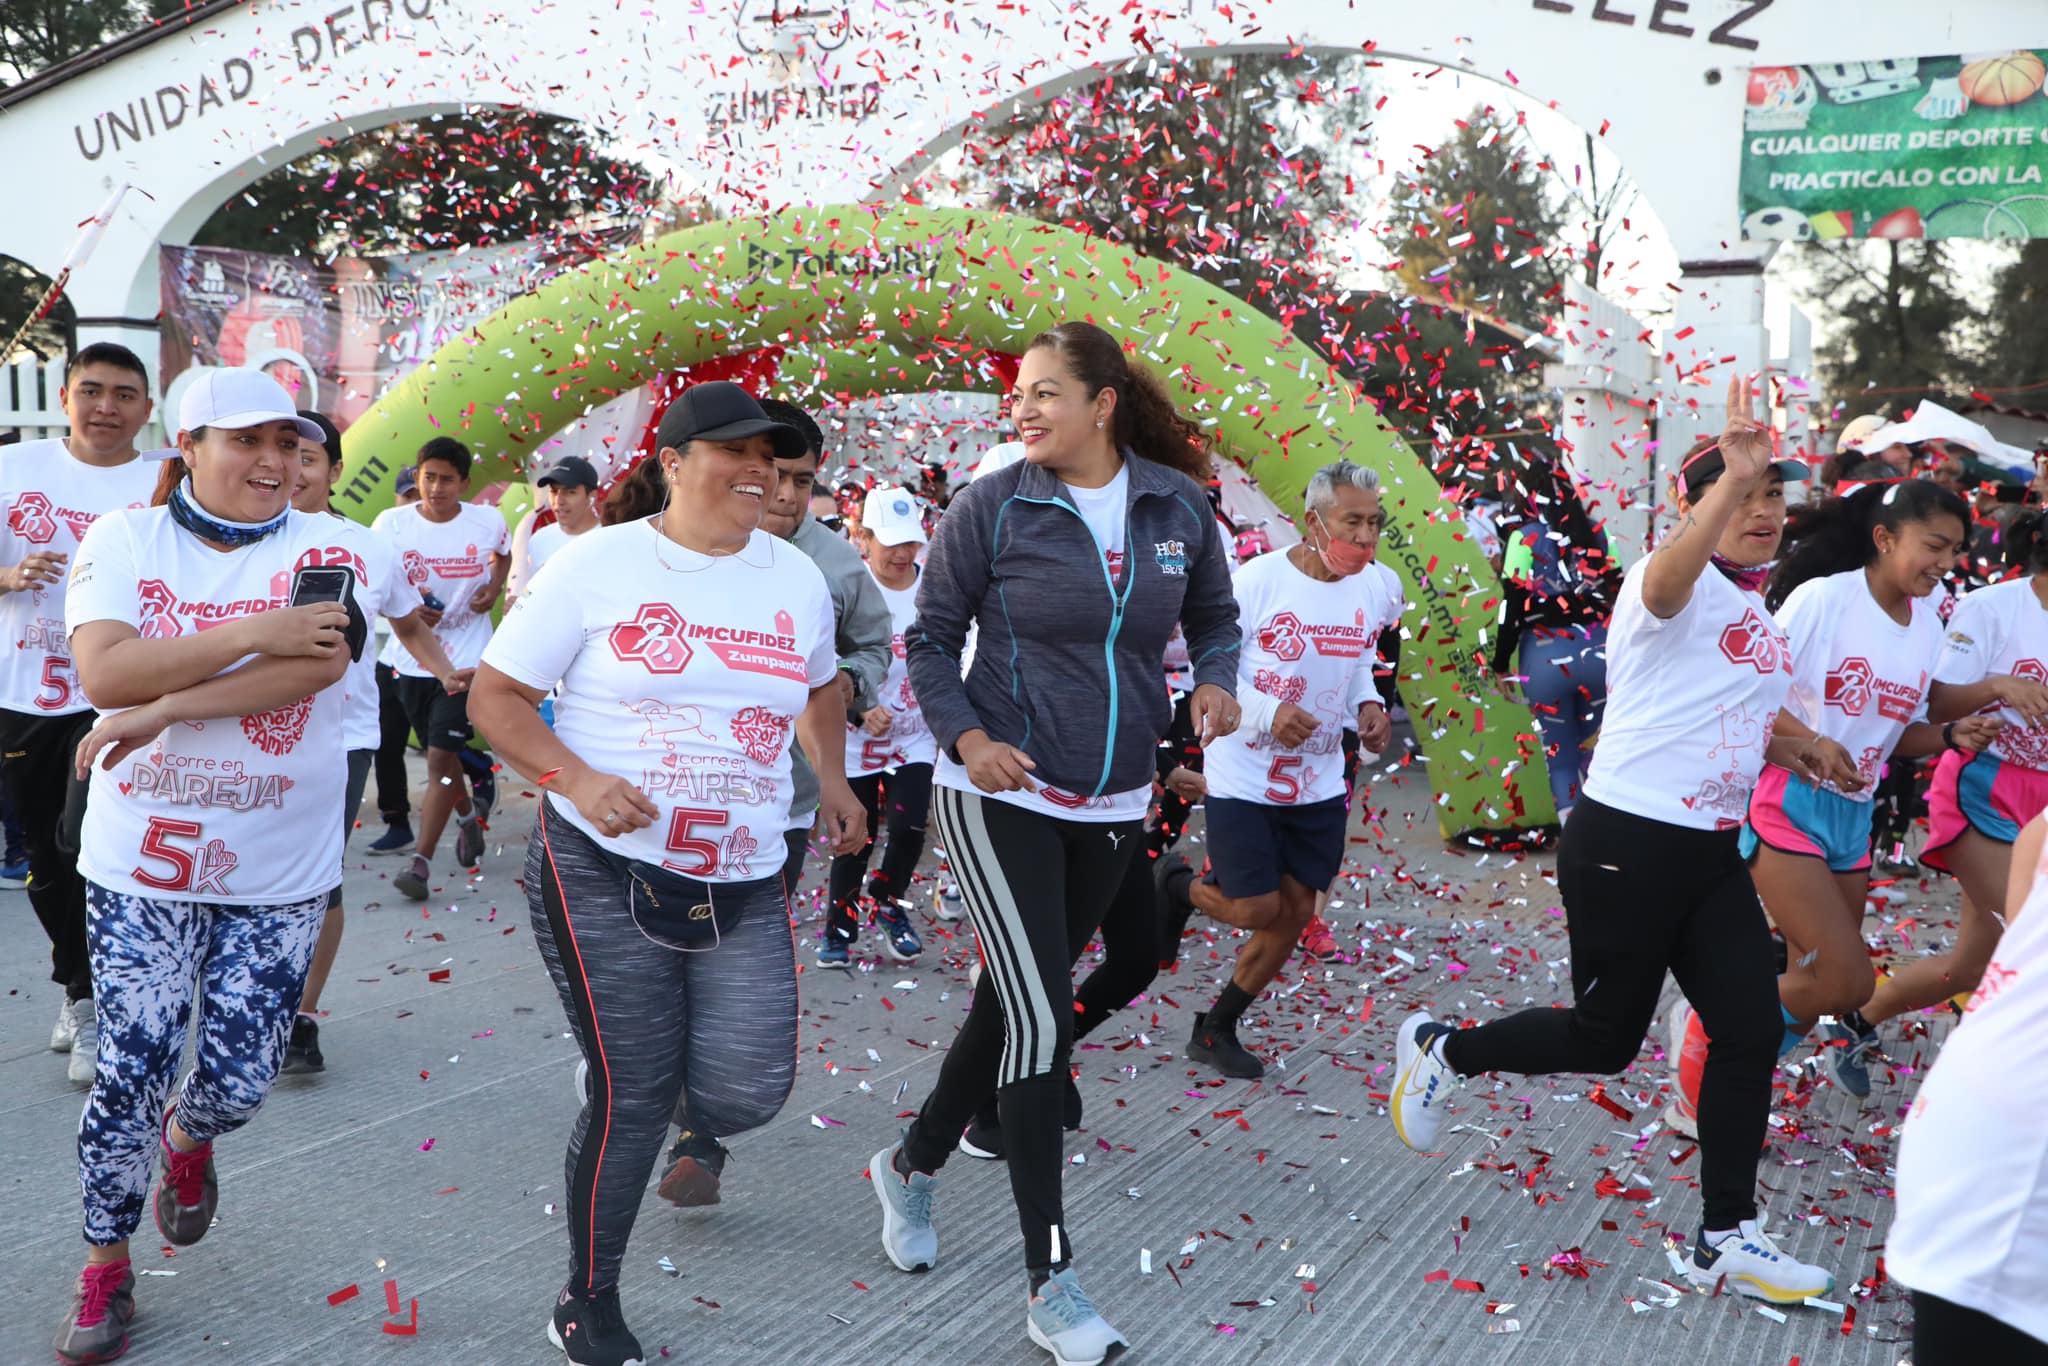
(1342, 558)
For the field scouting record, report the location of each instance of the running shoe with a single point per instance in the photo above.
(909, 1239)
(582, 1081)
(1682, 1115)
(898, 935)
(85, 1043)
(834, 949)
(591, 1330)
(1747, 1262)
(1219, 1048)
(947, 905)
(1849, 1058)
(1316, 939)
(696, 1162)
(396, 839)
(983, 1139)
(96, 1329)
(65, 1031)
(413, 881)
(14, 874)
(1064, 1321)
(469, 842)
(1423, 1081)
(302, 1053)
(187, 1191)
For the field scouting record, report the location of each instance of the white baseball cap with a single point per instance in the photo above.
(237, 398)
(891, 513)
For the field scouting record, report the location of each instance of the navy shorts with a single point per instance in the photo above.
(1252, 845)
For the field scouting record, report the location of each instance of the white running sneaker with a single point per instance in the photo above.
(946, 904)
(908, 1237)
(1423, 1081)
(1064, 1321)
(1749, 1263)
(85, 1043)
(1679, 1116)
(64, 1031)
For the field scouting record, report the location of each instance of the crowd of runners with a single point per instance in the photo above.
(715, 670)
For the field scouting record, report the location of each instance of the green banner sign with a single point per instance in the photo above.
(1934, 147)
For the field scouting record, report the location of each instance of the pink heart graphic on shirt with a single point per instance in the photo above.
(127, 789)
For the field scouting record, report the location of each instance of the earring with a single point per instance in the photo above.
(1099, 425)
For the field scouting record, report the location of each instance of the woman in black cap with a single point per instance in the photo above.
(685, 650)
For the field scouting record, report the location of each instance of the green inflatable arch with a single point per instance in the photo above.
(870, 300)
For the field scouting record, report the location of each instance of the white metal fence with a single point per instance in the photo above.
(28, 398)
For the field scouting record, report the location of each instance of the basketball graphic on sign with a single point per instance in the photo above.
(2002, 80)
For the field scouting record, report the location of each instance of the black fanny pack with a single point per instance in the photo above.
(680, 912)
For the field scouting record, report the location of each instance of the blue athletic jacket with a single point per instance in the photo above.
(1068, 666)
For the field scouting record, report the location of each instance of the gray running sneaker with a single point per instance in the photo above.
(413, 881)
(1064, 1321)
(187, 1192)
(907, 1233)
(1849, 1059)
(84, 1062)
(469, 842)
(96, 1329)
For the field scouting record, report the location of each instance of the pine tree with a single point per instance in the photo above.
(1899, 321)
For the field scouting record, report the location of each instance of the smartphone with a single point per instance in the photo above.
(321, 583)
(428, 598)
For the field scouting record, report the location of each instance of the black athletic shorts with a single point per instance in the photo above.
(441, 721)
(1252, 844)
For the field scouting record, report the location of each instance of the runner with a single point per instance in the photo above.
(889, 754)
(1696, 672)
(1852, 596)
(394, 731)
(1997, 657)
(862, 631)
(456, 556)
(1100, 542)
(50, 492)
(1277, 809)
(571, 487)
(210, 842)
(379, 590)
(681, 650)
(1972, 1202)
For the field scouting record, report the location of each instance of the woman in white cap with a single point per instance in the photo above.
(209, 845)
(889, 755)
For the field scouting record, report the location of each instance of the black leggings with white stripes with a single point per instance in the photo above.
(716, 1030)
(1035, 887)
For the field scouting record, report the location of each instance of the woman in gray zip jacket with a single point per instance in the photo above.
(1074, 565)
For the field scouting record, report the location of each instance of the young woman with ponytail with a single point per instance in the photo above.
(1852, 593)
(1996, 663)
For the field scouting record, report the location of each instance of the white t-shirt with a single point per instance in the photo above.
(1307, 642)
(450, 559)
(1858, 677)
(1103, 510)
(1690, 702)
(909, 740)
(381, 592)
(2002, 629)
(684, 674)
(540, 545)
(1972, 1219)
(48, 498)
(240, 811)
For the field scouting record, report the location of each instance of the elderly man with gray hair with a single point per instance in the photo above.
(1278, 800)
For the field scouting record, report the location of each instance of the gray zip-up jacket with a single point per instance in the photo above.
(1068, 666)
(866, 634)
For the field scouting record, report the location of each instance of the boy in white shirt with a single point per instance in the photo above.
(457, 555)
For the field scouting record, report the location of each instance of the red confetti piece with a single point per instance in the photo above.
(410, 1328)
(1599, 1097)
(1432, 1277)
(1474, 1286)
(391, 1298)
(440, 975)
(344, 1295)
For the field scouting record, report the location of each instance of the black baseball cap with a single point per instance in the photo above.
(1707, 465)
(571, 472)
(718, 410)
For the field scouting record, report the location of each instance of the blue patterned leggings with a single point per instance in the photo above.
(147, 956)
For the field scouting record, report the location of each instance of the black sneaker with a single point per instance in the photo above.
(984, 1138)
(591, 1331)
(483, 789)
(396, 839)
(302, 1054)
(696, 1161)
(1172, 875)
(1220, 1049)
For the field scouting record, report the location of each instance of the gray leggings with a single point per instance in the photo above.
(716, 1029)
